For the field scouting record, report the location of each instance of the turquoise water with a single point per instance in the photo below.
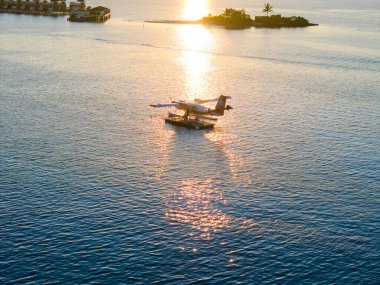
(95, 188)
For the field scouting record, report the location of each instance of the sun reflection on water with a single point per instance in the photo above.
(195, 37)
(196, 40)
(198, 205)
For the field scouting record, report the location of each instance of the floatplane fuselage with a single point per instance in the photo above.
(195, 112)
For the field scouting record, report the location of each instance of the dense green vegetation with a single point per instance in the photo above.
(277, 21)
(230, 18)
(238, 19)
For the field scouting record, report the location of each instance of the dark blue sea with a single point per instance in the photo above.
(96, 189)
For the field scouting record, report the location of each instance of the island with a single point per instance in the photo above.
(239, 19)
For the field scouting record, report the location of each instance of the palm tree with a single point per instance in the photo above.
(268, 9)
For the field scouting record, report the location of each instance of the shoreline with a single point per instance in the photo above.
(201, 22)
(35, 12)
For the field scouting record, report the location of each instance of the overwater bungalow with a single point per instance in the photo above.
(97, 14)
(34, 7)
(77, 10)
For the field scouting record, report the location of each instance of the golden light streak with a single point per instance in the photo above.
(196, 204)
(196, 40)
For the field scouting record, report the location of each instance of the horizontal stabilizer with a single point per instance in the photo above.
(202, 101)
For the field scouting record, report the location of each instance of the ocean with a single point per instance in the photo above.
(96, 189)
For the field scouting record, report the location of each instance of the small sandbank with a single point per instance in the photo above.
(184, 22)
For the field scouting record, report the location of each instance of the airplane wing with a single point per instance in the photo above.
(202, 101)
(165, 105)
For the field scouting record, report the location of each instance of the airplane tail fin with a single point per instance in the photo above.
(221, 105)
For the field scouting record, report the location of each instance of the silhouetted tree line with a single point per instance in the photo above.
(230, 17)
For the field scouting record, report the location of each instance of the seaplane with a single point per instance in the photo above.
(196, 115)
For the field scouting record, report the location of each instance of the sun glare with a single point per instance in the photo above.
(195, 9)
(195, 41)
